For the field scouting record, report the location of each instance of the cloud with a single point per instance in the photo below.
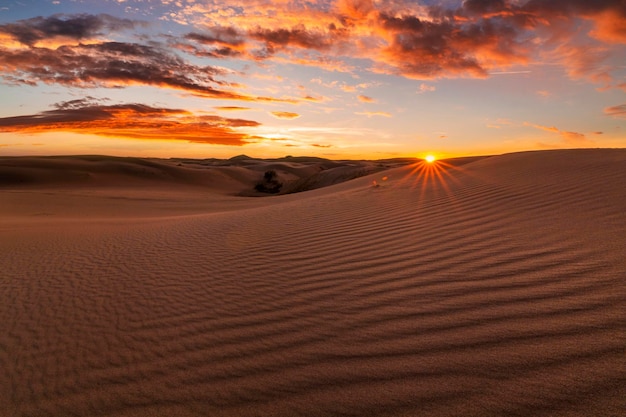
(608, 16)
(444, 45)
(498, 123)
(366, 99)
(284, 115)
(277, 39)
(99, 63)
(355, 9)
(76, 27)
(314, 99)
(473, 38)
(551, 129)
(575, 139)
(115, 64)
(569, 138)
(231, 108)
(226, 36)
(133, 121)
(374, 113)
(616, 111)
(217, 42)
(425, 88)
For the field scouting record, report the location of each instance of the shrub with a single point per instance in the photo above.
(269, 184)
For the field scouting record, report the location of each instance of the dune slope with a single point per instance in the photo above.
(488, 289)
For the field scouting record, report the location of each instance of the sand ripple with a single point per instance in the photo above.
(497, 289)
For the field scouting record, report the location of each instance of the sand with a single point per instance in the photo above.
(494, 287)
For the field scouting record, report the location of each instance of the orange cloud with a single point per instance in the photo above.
(285, 115)
(314, 99)
(374, 113)
(366, 99)
(570, 138)
(231, 108)
(616, 111)
(551, 129)
(134, 121)
(610, 24)
(355, 9)
(410, 39)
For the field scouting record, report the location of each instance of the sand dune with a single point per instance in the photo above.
(491, 287)
(236, 176)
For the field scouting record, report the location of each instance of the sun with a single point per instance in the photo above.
(430, 158)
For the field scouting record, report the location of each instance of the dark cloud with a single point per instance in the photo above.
(483, 34)
(218, 35)
(451, 43)
(217, 42)
(214, 52)
(135, 121)
(484, 6)
(276, 38)
(113, 64)
(573, 7)
(78, 103)
(78, 27)
(426, 49)
(109, 64)
(608, 16)
(261, 42)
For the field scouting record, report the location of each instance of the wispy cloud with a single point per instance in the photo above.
(568, 137)
(426, 88)
(366, 99)
(134, 121)
(616, 111)
(284, 115)
(75, 27)
(231, 108)
(374, 113)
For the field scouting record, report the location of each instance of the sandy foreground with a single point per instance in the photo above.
(495, 287)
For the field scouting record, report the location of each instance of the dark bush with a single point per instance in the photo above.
(269, 184)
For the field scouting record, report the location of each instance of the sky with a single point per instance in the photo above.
(340, 79)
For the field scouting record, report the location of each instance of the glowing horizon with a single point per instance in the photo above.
(363, 79)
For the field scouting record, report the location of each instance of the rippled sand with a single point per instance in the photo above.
(494, 288)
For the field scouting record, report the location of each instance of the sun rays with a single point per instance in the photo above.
(434, 178)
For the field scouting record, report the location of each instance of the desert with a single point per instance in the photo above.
(484, 286)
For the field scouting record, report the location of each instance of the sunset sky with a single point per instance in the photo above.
(331, 78)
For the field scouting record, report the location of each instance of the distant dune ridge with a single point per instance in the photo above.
(237, 175)
(491, 287)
